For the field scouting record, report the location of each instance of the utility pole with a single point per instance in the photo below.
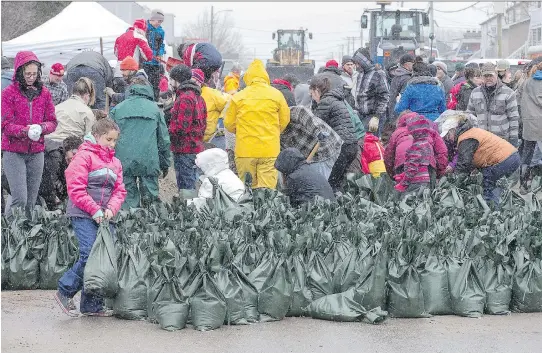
(212, 22)
(432, 26)
(499, 10)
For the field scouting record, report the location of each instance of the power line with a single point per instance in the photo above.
(454, 11)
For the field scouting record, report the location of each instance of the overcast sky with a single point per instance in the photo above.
(329, 22)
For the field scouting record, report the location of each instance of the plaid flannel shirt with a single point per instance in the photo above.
(188, 120)
(302, 133)
(59, 91)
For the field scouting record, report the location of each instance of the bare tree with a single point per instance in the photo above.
(225, 37)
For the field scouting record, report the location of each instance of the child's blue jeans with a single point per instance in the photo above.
(72, 281)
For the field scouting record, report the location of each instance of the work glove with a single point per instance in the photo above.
(109, 91)
(373, 124)
(34, 132)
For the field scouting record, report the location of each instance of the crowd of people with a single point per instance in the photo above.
(100, 134)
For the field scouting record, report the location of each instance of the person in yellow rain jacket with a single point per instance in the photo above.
(214, 100)
(232, 80)
(257, 115)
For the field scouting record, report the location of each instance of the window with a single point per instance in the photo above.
(540, 4)
(290, 40)
(539, 36)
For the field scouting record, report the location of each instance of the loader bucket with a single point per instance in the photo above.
(303, 73)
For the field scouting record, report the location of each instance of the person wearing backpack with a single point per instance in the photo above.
(460, 93)
(332, 109)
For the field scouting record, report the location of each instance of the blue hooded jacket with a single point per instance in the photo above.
(155, 37)
(423, 95)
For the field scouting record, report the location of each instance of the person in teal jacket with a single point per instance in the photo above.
(143, 147)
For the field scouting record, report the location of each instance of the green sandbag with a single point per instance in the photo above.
(263, 271)
(208, 305)
(101, 274)
(371, 290)
(320, 281)
(250, 296)
(342, 307)
(162, 285)
(248, 257)
(497, 279)
(171, 316)
(436, 291)
(468, 295)
(60, 255)
(131, 300)
(405, 298)
(453, 266)
(335, 255)
(274, 298)
(348, 273)
(527, 286)
(301, 295)
(230, 287)
(5, 256)
(23, 257)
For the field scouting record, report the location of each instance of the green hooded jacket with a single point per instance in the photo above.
(143, 145)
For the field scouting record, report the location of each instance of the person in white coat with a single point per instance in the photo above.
(214, 163)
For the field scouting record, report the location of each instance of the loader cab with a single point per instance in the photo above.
(289, 39)
(393, 30)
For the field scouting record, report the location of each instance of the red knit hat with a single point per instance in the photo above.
(198, 75)
(141, 24)
(57, 69)
(129, 63)
(332, 63)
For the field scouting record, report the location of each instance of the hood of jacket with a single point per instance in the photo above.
(419, 80)
(401, 71)
(402, 121)
(334, 70)
(191, 86)
(212, 161)
(22, 58)
(289, 161)
(369, 137)
(141, 91)
(335, 93)
(363, 61)
(106, 154)
(256, 73)
(538, 75)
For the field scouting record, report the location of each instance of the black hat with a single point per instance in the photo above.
(407, 58)
(181, 73)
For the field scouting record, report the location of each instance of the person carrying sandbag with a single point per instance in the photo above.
(96, 193)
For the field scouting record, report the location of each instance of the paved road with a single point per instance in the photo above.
(31, 322)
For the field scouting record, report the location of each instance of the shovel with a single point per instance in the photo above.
(321, 137)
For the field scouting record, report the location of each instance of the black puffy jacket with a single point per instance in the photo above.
(303, 181)
(288, 95)
(332, 109)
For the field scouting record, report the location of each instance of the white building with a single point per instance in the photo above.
(534, 48)
(515, 31)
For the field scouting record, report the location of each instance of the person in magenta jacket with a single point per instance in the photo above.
(400, 142)
(28, 113)
(96, 192)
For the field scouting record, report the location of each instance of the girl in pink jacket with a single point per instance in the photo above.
(96, 193)
(28, 114)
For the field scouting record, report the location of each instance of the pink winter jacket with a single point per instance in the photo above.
(401, 140)
(94, 180)
(18, 112)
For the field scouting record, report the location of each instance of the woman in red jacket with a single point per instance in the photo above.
(28, 113)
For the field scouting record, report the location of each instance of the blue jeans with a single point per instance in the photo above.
(185, 171)
(72, 281)
(492, 174)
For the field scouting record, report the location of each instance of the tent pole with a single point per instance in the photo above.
(101, 46)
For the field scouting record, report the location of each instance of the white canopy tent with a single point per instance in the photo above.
(80, 26)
